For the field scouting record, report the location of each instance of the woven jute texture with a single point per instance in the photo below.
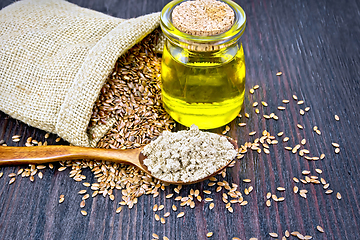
(54, 59)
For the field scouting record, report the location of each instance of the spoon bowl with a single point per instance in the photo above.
(53, 153)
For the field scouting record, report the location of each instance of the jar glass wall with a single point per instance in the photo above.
(203, 77)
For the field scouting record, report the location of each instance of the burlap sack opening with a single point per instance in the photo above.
(54, 60)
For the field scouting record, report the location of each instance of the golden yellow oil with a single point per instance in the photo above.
(206, 89)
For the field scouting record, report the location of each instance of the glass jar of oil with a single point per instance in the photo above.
(203, 77)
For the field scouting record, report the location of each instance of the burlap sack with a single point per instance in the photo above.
(54, 59)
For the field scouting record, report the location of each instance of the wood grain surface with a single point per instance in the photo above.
(316, 46)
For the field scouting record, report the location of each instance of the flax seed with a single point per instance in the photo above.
(268, 195)
(320, 229)
(181, 214)
(274, 235)
(278, 73)
(12, 180)
(338, 195)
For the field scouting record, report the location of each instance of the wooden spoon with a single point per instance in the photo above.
(54, 153)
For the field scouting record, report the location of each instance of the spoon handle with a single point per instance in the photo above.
(44, 154)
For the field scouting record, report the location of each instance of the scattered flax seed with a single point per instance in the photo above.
(154, 235)
(40, 175)
(242, 124)
(174, 208)
(268, 195)
(235, 238)
(307, 109)
(12, 180)
(181, 214)
(319, 171)
(295, 97)
(155, 207)
(274, 235)
(208, 199)
(281, 189)
(281, 108)
(246, 180)
(329, 191)
(167, 214)
(211, 206)
(247, 115)
(338, 195)
(162, 220)
(296, 189)
(326, 186)
(82, 203)
(299, 126)
(337, 150)
(1, 174)
(337, 118)
(268, 203)
(318, 132)
(252, 133)
(12, 175)
(287, 234)
(57, 139)
(209, 234)
(243, 203)
(302, 112)
(300, 102)
(303, 142)
(280, 134)
(157, 217)
(280, 199)
(320, 229)
(161, 207)
(295, 179)
(165, 238)
(305, 172)
(255, 104)
(82, 191)
(169, 195)
(256, 87)
(264, 103)
(285, 101)
(286, 139)
(257, 111)
(61, 169)
(251, 91)
(84, 213)
(278, 73)
(335, 144)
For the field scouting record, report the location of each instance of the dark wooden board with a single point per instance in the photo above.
(316, 46)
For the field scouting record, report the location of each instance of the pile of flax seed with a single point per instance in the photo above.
(131, 95)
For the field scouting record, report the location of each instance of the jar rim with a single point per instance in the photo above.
(180, 38)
